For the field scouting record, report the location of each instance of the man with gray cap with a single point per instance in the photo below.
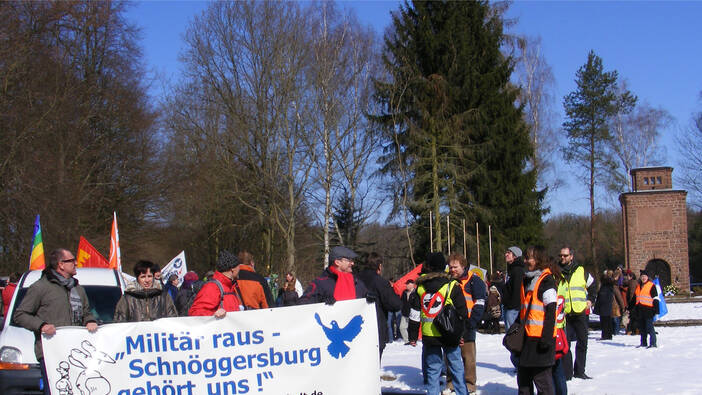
(337, 281)
(220, 294)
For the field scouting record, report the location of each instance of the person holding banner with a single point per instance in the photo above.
(144, 300)
(219, 295)
(55, 300)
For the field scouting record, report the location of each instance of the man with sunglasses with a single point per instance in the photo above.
(579, 290)
(55, 300)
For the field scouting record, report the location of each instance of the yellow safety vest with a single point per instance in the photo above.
(427, 314)
(575, 292)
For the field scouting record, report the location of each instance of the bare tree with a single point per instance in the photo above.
(635, 132)
(339, 82)
(245, 67)
(689, 144)
(537, 83)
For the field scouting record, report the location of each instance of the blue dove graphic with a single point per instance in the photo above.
(338, 336)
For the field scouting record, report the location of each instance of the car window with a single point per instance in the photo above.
(103, 300)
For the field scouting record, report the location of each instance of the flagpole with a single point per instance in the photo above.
(490, 243)
(477, 242)
(448, 234)
(431, 233)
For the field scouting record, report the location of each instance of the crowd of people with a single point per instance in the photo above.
(550, 298)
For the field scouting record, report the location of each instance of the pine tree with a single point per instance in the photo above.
(453, 124)
(588, 111)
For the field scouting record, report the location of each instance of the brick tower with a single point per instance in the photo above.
(654, 219)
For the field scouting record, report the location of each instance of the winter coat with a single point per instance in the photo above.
(254, 289)
(385, 300)
(140, 304)
(321, 289)
(605, 296)
(432, 282)
(48, 302)
(186, 297)
(288, 298)
(475, 287)
(515, 275)
(541, 351)
(493, 303)
(618, 303)
(209, 298)
(171, 290)
(643, 312)
(7, 293)
(405, 310)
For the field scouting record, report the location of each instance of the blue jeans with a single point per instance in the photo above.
(617, 324)
(393, 322)
(646, 328)
(434, 360)
(510, 317)
(559, 380)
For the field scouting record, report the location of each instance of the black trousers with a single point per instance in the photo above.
(607, 327)
(541, 377)
(576, 325)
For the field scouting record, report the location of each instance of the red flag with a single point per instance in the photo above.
(88, 256)
(401, 283)
(115, 259)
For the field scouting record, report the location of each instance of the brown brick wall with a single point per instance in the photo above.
(655, 227)
(646, 179)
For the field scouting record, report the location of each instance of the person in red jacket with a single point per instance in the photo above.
(8, 291)
(220, 295)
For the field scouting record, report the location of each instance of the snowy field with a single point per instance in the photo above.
(616, 365)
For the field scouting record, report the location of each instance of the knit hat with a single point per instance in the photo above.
(435, 262)
(643, 272)
(226, 261)
(516, 251)
(189, 278)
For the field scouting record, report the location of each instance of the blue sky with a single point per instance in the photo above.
(655, 46)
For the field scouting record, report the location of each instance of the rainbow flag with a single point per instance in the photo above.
(36, 260)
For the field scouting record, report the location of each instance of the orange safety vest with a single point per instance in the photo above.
(534, 323)
(469, 298)
(643, 295)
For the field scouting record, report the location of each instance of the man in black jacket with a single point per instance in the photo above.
(386, 299)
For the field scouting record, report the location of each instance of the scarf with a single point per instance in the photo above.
(76, 302)
(345, 288)
(534, 277)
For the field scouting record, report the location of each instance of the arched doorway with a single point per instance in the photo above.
(660, 268)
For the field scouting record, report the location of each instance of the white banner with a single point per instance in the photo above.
(175, 266)
(310, 349)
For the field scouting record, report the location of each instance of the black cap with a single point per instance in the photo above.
(436, 262)
(643, 272)
(341, 252)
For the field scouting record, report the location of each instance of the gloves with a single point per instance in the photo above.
(370, 297)
(329, 300)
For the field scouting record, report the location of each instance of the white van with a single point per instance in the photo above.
(19, 369)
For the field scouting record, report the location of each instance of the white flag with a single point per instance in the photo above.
(175, 266)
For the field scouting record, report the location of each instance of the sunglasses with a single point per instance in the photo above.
(72, 260)
(563, 255)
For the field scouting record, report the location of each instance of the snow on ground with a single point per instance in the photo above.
(616, 365)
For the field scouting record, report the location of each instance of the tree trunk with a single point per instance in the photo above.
(592, 207)
(435, 197)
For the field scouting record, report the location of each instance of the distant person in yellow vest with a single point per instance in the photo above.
(646, 308)
(538, 315)
(580, 290)
(435, 287)
(474, 292)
